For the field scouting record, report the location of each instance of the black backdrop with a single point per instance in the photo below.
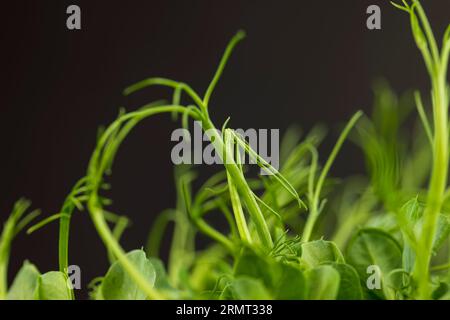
(302, 62)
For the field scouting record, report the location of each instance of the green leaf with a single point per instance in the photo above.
(25, 285)
(291, 284)
(255, 266)
(95, 289)
(161, 279)
(442, 232)
(118, 285)
(374, 247)
(318, 252)
(398, 284)
(408, 258)
(350, 285)
(409, 221)
(440, 291)
(53, 285)
(246, 288)
(282, 280)
(323, 283)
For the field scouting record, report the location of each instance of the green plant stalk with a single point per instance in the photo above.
(15, 223)
(214, 234)
(241, 185)
(202, 225)
(121, 224)
(226, 55)
(239, 216)
(5, 247)
(436, 190)
(69, 205)
(96, 169)
(315, 196)
(218, 143)
(437, 69)
(157, 232)
(105, 233)
(4, 260)
(64, 223)
(182, 246)
(63, 245)
(232, 168)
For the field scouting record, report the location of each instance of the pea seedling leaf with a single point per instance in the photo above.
(319, 252)
(25, 284)
(374, 247)
(53, 285)
(246, 288)
(442, 232)
(291, 284)
(350, 285)
(118, 285)
(161, 279)
(323, 283)
(255, 266)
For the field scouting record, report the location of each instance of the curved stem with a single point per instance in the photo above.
(234, 41)
(97, 166)
(214, 234)
(168, 83)
(111, 243)
(315, 206)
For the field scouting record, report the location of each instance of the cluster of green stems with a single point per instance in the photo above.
(88, 189)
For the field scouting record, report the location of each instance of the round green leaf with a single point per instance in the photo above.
(54, 285)
(118, 285)
(323, 283)
(350, 285)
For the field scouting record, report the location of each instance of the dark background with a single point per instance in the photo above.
(303, 62)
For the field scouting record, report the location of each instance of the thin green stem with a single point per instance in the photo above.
(64, 223)
(315, 205)
(241, 223)
(234, 41)
(214, 234)
(157, 232)
(239, 216)
(241, 185)
(168, 83)
(99, 162)
(43, 223)
(428, 31)
(182, 246)
(112, 244)
(445, 53)
(14, 223)
(441, 267)
(5, 245)
(423, 117)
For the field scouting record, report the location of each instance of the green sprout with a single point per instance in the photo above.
(297, 232)
(436, 62)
